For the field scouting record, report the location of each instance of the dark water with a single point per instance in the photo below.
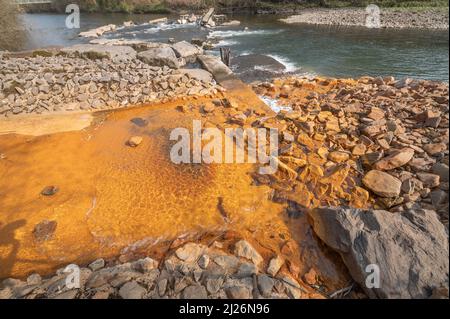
(322, 50)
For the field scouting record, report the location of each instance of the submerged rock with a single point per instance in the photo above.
(50, 190)
(410, 249)
(44, 230)
(134, 141)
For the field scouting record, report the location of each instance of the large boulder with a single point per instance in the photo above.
(186, 50)
(410, 249)
(98, 51)
(160, 57)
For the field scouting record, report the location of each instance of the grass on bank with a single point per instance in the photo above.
(167, 6)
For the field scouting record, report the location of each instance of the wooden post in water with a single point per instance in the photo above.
(225, 55)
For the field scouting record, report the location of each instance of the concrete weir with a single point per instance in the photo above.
(227, 79)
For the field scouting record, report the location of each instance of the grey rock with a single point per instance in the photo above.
(244, 249)
(186, 50)
(70, 294)
(145, 265)
(203, 261)
(228, 263)
(160, 57)
(429, 180)
(246, 270)
(198, 74)
(239, 292)
(410, 248)
(274, 265)
(97, 264)
(6, 293)
(216, 67)
(162, 286)
(265, 285)
(190, 252)
(213, 285)
(442, 170)
(34, 279)
(132, 290)
(195, 292)
(382, 184)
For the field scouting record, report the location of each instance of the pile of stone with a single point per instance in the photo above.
(193, 271)
(95, 77)
(371, 143)
(389, 18)
(392, 135)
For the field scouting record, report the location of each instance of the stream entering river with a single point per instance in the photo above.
(113, 198)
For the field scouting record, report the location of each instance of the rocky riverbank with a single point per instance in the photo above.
(379, 145)
(98, 77)
(389, 18)
(192, 271)
(391, 134)
(366, 160)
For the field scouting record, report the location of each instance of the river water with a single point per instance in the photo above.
(318, 50)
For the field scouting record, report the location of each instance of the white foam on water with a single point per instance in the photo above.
(244, 53)
(171, 26)
(239, 33)
(274, 104)
(288, 64)
(223, 43)
(264, 68)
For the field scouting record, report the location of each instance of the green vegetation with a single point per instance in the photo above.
(166, 6)
(386, 3)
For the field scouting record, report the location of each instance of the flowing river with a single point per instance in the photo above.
(318, 50)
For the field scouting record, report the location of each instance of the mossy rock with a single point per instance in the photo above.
(43, 53)
(92, 55)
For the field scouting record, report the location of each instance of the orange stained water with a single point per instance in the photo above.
(112, 196)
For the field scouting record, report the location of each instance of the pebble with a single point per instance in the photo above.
(134, 141)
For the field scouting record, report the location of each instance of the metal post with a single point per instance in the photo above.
(225, 54)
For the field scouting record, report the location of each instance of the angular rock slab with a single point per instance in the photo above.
(160, 57)
(410, 249)
(216, 67)
(186, 50)
(396, 159)
(199, 74)
(382, 184)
